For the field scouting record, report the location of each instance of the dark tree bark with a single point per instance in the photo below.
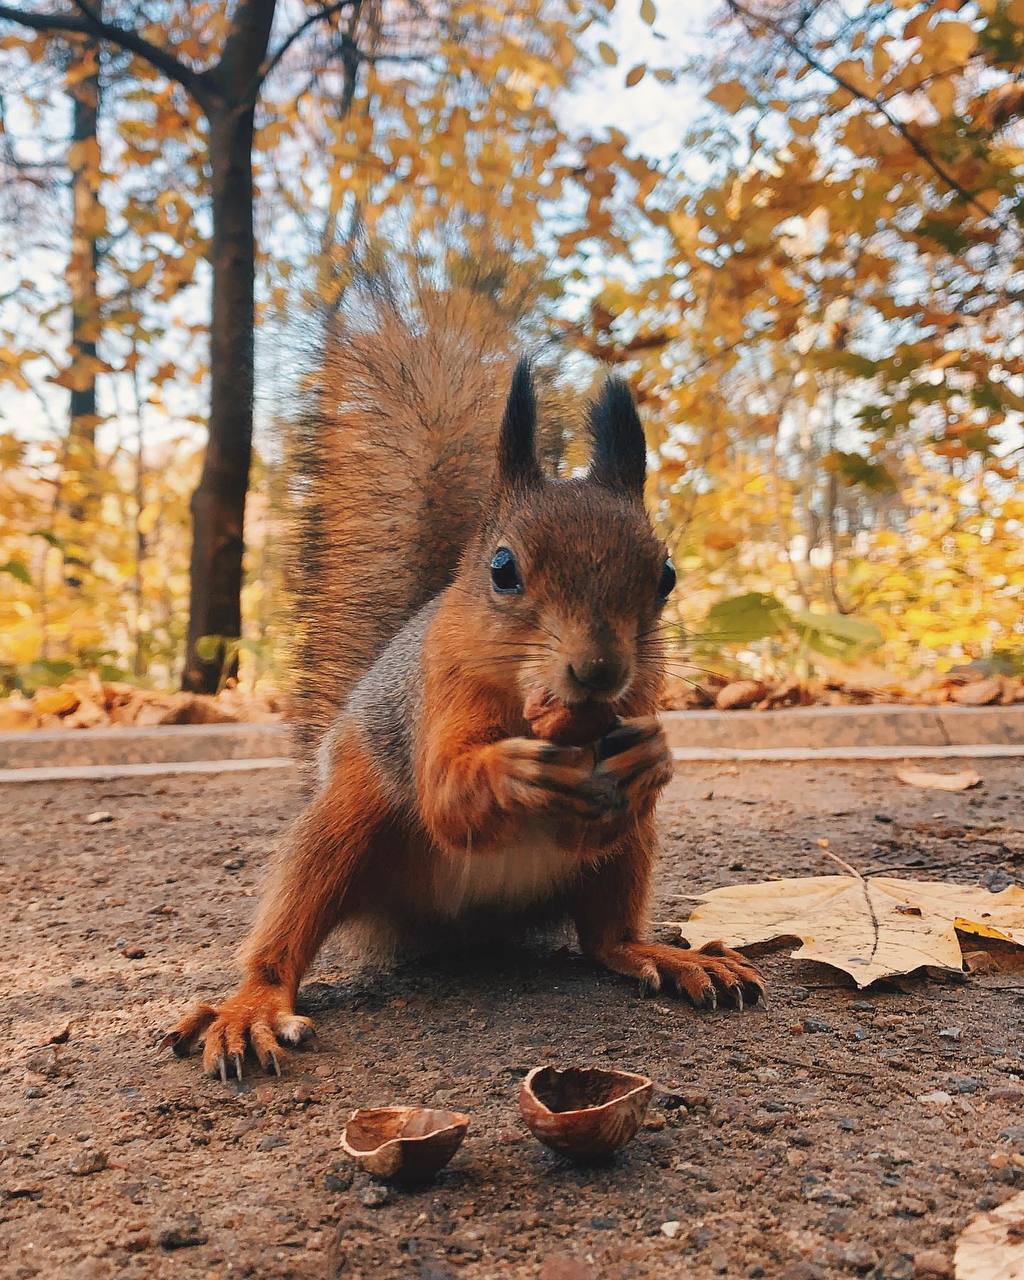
(83, 283)
(218, 504)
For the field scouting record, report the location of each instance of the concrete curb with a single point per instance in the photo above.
(769, 755)
(820, 728)
(156, 769)
(885, 732)
(46, 748)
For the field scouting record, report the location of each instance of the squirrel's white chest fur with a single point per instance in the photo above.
(526, 869)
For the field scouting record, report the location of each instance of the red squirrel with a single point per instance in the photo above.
(462, 609)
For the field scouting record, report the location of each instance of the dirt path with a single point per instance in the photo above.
(777, 1150)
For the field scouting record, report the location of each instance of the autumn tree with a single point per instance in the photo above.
(828, 340)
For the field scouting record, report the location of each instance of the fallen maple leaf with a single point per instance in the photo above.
(962, 781)
(991, 1246)
(870, 928)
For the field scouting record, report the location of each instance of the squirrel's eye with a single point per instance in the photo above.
(667, 581)
(505, 573)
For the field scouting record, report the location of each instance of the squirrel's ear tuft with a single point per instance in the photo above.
(619, 450)
(517, 445)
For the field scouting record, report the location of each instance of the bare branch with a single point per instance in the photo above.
(877, 104)
(90, 24)
(320, 15)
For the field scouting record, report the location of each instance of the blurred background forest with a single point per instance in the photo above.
(796, 227)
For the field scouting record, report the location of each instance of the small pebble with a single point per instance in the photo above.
(100, 815)
(374, 1196)
(133, 953)
(271, 1142)
(996, 881)
(233, 864)
(799, 994)
(859, 1256)
(182, 1235)
(88, 1161)
(966, 1084)
(670, 1229)
(815, 1026)
(951, 1033)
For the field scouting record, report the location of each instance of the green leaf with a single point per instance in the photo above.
(211, 648)
(854, 468)
(742, 619)
(835, 634)
(17, 570)
(47, 536)
(42, 671)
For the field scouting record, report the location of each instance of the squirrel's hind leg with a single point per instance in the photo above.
(308, 894)
(610, 911)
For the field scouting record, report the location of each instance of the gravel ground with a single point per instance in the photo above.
(789, 1143)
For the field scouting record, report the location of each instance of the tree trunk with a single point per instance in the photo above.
(218, 504)
(78, 487)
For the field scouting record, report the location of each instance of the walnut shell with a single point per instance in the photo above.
(585, 1113)
(576, 726)
(404, 1144)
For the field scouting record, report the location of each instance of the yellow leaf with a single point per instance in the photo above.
(730, 95)
(54, 702)
(648, 12)
(635, 75)
(871, 927)
(957, 39)
(148, 517)
(964, 780)
(608, 55)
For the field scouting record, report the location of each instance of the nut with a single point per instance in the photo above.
(405, 1144)
(584, 1113)
(574, 726)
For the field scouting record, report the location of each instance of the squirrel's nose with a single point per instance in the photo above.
(599, 674)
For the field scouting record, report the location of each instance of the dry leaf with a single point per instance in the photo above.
(961, 781)
(991, 1247)
(870, 928)
(978, 694)
(739, 693)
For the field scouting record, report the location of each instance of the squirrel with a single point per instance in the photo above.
(457, 601)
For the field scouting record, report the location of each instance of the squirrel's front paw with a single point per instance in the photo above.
(538, 776)
(255, 1018)
(637, 758)
(703, 976)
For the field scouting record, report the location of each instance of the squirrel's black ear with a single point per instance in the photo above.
(618, 449)
(517, 444)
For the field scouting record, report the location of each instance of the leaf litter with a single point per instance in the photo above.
(869, 927)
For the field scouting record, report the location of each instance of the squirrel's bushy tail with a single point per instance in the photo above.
(394, 470)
